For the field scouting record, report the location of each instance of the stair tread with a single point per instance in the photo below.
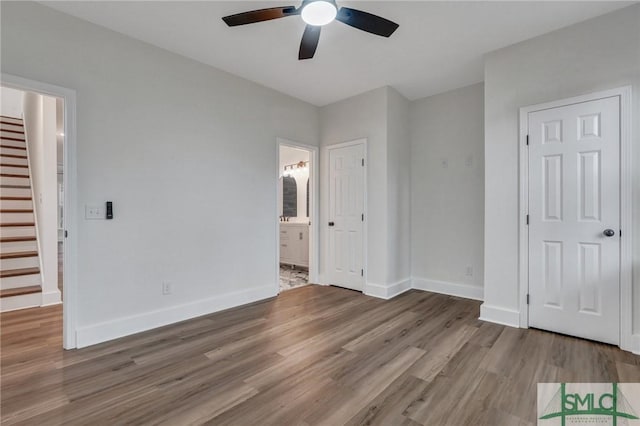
(18, 254)
(24, 148)
(18, 224)
(21, 166)
(16, 239)
(11, 198)
(19, 291)
(14, 156)
(16, 210)
(16, 186)
(19, 272)
(6, 138)
(13, 175)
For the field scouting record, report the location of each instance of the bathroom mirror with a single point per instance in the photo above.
(289, 197)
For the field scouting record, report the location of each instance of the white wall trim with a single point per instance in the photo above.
(626, 176)
(499, 315)
(51, 298)
(468, 291)
(387, 292)
(126, 326)
(69, 311)
(314, 197)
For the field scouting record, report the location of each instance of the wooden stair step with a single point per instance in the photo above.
(20, 132)
(13, 175)
(19, 272)
(15, 198)
(18, 224)
(16, 239)
(24, 148)
(4, 138)
(16, 211)
(11, 123)
(18, 254)
(14, 156)
(20, 166)
(20, 291)
(16, 186)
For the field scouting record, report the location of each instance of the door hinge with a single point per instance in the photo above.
(363, 217)
(527, 140)
(527, 299)
(66, 234)
(363, 162)
(621, 232)
(362, 272)
(527, 219)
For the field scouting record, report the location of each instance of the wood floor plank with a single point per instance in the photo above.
(313, 355)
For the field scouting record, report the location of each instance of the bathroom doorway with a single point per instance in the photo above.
(295, 215)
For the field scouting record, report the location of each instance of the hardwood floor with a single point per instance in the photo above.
(313, 355)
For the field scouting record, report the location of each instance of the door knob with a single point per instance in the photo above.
(609, 232)
(331, 223)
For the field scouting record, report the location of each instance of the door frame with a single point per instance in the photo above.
(365, 227)
(70, 262)
(626, 283)
(313, 208)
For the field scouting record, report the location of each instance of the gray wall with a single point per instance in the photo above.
(447, 214)
(187, 154)
(598, 54)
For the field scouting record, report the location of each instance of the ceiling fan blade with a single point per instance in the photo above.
(260, 15)
(366, 22)
(309, 42)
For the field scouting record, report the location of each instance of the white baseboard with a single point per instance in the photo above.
(498, 315)
(467, 291)
(389, 291)
(20, 302)
(109, 330)
(51, 298)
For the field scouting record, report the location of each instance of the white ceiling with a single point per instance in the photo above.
(438, 47)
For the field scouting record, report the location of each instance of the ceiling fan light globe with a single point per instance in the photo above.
(319, 13)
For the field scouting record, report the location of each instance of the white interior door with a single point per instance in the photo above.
(574, 219)
(346, 216)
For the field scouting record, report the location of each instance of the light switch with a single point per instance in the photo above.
(93, 212)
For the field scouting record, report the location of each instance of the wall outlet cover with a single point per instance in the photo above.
(93, 212)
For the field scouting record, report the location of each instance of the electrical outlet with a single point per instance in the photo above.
(469, 271)
(93, 212)
(167, 288)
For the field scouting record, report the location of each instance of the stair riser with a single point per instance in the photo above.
(14, 170)
(15, 246)
(18, 231)
(19, 281)
(11, 120)
(15, 127)
(12, 151)
(10, 142)
(16, 217)
(14, 181)
(16, 204)
(15, 192)
(19, 263)
(15, 161)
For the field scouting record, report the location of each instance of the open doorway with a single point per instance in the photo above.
(32, 166)
(295, 201)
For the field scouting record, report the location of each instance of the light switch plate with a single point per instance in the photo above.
(93, 212)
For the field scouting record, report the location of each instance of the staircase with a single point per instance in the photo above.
(19, 260)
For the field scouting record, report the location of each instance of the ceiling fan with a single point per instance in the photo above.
(316, 13)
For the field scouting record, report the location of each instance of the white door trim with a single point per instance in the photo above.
(365, 230)
(626, 283)
(314, 186)
(70, 283)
